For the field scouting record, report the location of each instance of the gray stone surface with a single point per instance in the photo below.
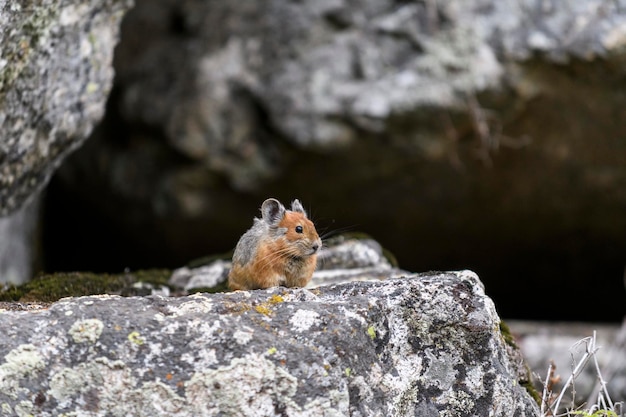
(19, 243)
(344, 259)
(420, 345)
(205, 276)
(55, 76)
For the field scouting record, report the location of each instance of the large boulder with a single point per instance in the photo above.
(55, 76)
(487, 133)
(416, 345)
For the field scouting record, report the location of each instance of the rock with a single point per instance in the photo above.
(319, 80)
(19, 245)
(419, 345)
(493, 123)
(205, 276)
(348, 252)
(55, 76)
(344, 259)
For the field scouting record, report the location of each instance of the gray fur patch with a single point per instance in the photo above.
(247, 246)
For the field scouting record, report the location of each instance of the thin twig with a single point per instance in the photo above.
(577, 370)
(547, 391)
(603, 401)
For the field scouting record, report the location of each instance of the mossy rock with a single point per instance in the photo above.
(526, 380)
(52, 287)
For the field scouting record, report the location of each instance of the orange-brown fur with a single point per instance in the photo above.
(287, 260)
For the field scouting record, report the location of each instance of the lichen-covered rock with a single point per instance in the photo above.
(55, 76)
(425, 345)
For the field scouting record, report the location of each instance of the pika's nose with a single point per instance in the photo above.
(315, 247)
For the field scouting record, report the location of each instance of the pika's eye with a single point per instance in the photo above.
(299, 229)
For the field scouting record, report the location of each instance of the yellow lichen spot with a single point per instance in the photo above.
(371, 331)
(276, 299)
(135, 337)
(92, 88)
(348, 371)
(272, 350)
(263, 309)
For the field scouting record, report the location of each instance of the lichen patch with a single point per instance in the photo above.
(243, 336)
(440, 370)
(88, 330)
(200, 304)
(302, 320)
(252, 385)
(20, 363)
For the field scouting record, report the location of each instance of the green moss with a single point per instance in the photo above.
(52, 287)
(505, 331)
(152, 276)
(530, 389)
(599, 413)
(507, 335)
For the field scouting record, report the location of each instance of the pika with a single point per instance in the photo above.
(279, 249)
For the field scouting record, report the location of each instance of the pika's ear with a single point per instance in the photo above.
(272, 211)
(296, 206)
